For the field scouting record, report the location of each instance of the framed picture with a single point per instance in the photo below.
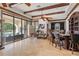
(41, 26)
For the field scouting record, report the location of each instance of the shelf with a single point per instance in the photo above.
(74, 23)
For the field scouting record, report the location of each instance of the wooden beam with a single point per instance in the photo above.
(14, 12)
(48, 7)
(11, 4)
(72, 10)
(4, 4)
(57, 20)
(28, 4)
(60, 12)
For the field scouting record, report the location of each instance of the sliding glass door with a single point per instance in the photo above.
(12, 29)
(22, 28)
(7, 27)
(33, 27)
(18, 30)
(0, 32)
(25, 29)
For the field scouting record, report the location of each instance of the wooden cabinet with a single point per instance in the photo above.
(74, 28)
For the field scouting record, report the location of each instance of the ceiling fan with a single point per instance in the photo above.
(28, 4)
(43, 16)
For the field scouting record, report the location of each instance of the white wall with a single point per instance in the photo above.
(45, 22)
(49, 25)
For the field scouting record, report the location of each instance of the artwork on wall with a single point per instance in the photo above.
(41, 26)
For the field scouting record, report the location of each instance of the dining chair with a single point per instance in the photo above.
(57, 40)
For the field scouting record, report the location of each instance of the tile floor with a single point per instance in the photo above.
(34, 47)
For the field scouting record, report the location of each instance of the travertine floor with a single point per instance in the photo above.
(34, 47)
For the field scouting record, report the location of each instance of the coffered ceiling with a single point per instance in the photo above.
(36, 10)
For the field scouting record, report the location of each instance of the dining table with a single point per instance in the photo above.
(66, 40)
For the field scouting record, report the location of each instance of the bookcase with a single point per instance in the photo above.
(74, 23)
(74, 29)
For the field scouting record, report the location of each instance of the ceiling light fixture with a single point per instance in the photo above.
(43, 16)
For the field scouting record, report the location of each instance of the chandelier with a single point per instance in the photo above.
(43, 16)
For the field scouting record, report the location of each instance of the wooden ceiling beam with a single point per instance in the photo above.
(14, 12)
(48, 7)
(4, 5)
(28, 4)
(11, 4)
(60, 12)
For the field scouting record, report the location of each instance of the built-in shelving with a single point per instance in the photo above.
(74, 23)
(74, 29)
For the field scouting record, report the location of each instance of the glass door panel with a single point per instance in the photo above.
(22, 28)
(0, 32)
(25, 29)
(7, 27)
(18, 29)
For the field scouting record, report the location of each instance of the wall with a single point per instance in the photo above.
(49, 25)
(45, 22)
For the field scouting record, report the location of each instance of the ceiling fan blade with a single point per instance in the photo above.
(4, 4)
(28, 4)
